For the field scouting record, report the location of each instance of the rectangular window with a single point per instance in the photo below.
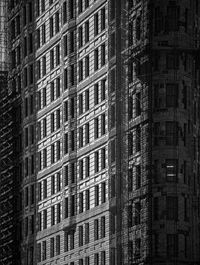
(87, 233)
(96, 24)
(80, 37)
(57, 26)
(58, 213)
(80, 67)
(172, 245)
(96, 162)
(137, 213)
(80, 6)
(72, 141)
(52, 59)
(58, 150)
(58, 119)
(45, 219)
(138, 176)
(81, 202)
(58, 245)
(87, 100)
(103, 18)
(172, 208)
(96, 59)
(103, 192)
(52, 123)
(43, 34)
(66, 177)
(87, 133)
(87, 31)
(103, 54)
(52, 215)
(138, 139)
(171, 133)
(44, 250)
(66, 143)
(80, 233)
(112, 46)
(45, 158)
(96, 195)
(64, 12)
(52, 184)
(171, 170)
(57, 55)
(96, 229)
(96, 94)
(66, 111)
(171, 95)
(72, 212)
(71, 9)
(87, 66)
(96, 128)
(103, 158)
(51, 27)
(44, 96)
(87, 199)
(66, 208)
(71, 41)
(52, 90)
(80, 137)
(52, 153)
(52, 247)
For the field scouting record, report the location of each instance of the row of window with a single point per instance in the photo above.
(56, 186)
(84, 99)
(84, 64)
(53, 215)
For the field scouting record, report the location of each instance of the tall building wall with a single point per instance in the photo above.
(107, 144)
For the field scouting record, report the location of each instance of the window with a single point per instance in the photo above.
(138, 176)
(58, 150)
(72, 212)
(44, 96)
(86, 31)
(112, 187)
(138, 104)
(57, 119)
(156, 208)
(66, 111)
(172, 18)
(103, 18)
(80, 6)
(66, 208)
(112, 80)
(103, 54)
(66, 175)
(45, 158)
(96, 229)
(44, 250)
(80, 65)
(72, 172)
(96, 59)
(52, 247)
(87, 66)
(38, 71)
(96, 195)
(137, 213)
(112, 46)
(96, 162)
(52, 123)
(80, 202)
(58, 213)
(87, 166)
(113, 119)
(171, 170)
(65, 45)
(52, 184)
(66, 143)
(137, 248)
(172, 245)
(43, 33)
(96, 94)
(103, 124)
(112, 151)
(96, 128)
(103, 158)
(103, 192)
(58, 245)
(87, 233)
(138, 138)
(52, 91)
(71, 9)
(138, 28)
(52, 59)
(87, 199)
(71, 41)
(64, 12)
(51, 26)
(87, 133)
(72, 75)
(86, 6)
(52, 154)
(172, 208)
(45, 219)
(52, 215)
(96, 24)
(80, 37)
(45, 189)
(103, 226)
(87, 100)
(43, 65)
(80, 137)
(172, 95)
(80, 232)
(72, 141)
(57, 27)
(171, 133)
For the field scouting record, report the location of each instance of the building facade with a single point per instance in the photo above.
(107, 132)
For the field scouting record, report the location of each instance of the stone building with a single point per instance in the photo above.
(107, 150)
